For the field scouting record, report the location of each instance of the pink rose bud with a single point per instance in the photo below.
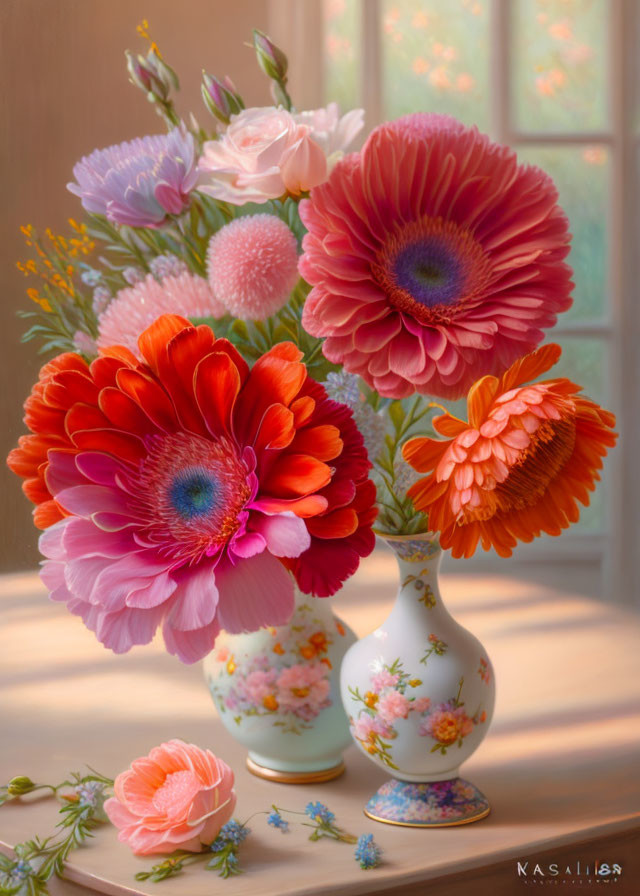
(220, 99)
(271, 59)
(177, 797)
(303, 165)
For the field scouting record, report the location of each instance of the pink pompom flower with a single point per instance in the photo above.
(135, 308)
(177, 797)
(139, 182)
(434, 258)
(253, 266)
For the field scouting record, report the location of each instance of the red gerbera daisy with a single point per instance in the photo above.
(434, 258)
(178, 489)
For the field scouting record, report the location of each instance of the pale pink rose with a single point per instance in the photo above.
(420, 704)
(303, 164)
(303, 689)
(384, 679)
(263, 154)
(334, 133)
(177, 797)
(393, 705)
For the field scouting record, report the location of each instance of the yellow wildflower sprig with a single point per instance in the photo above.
(55, 262)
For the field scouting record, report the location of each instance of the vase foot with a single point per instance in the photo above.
(284, 777)
(438, 804)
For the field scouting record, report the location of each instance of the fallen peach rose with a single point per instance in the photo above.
(177, 797)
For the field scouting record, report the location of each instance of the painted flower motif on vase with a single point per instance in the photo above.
(427, 597)
(391, 699)
(289, 682)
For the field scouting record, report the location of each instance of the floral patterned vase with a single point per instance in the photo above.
(419, 694)
(277, 692)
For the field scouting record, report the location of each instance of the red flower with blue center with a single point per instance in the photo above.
(180, 490)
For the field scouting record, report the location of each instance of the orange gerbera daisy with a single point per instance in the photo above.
(518, 467)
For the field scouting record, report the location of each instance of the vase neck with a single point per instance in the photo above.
(418, 561)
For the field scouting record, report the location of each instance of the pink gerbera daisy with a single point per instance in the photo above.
(435, 258)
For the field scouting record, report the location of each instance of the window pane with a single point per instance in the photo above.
(581, 175)
(559, 58)
(342, 48)
(584, 361)
(436, 58)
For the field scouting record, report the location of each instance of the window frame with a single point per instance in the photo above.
(300, 29)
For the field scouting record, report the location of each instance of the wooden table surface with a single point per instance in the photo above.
(560, 764)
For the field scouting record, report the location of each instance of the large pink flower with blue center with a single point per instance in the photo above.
(435, 258)
(188, 491)
(139, 182)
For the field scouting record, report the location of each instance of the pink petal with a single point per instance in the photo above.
(191, 646)
(286, 535)
(195, 599)
(255, 593)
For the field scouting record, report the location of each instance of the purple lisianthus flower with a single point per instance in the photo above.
(139, 182)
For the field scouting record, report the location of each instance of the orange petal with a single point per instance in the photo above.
(305, 507)
(447, 425)
(176, 371)
(217, 383)
(323, 442)
(302, 409)
(154, 340)
(296, 474)
(531, 366)
(120, 444)
(479, 399)
(338, 524)
(274, 379)
(123, 412)
(150, 396)
(119, 353)
(276, 430)
(424, 454)
(84, 416)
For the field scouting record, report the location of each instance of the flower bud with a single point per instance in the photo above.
(271, 59)
(20, 785)
(152, 74)
(220, 97)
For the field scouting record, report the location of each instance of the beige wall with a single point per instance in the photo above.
(64, 91)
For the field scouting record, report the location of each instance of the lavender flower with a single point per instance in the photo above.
(343, 387)
(133, 275)
(167, 266)
(84, 344)
(101, 298)
(140, 182)
(91, 276)
(372, 426)
(367, 852)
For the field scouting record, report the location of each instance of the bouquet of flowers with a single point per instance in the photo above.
(251, 326)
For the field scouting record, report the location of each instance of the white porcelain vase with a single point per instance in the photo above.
(277, 692)
(419, 692)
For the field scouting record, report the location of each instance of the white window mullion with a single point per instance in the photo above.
(621, 574)
(500, 76)
(371, 62)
